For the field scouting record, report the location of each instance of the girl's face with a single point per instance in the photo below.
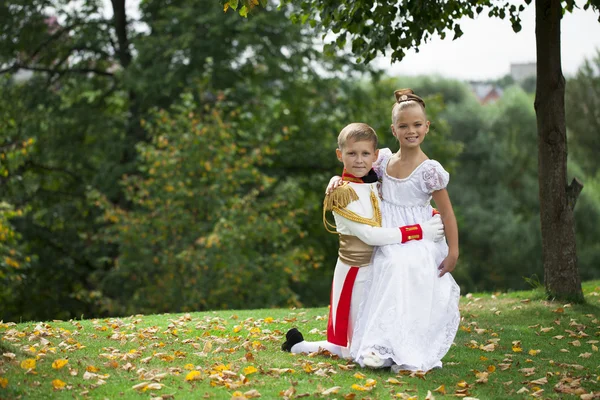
(410, 127)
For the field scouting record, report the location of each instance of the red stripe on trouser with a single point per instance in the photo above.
(338, 334)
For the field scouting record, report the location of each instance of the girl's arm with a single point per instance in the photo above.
(444, 206)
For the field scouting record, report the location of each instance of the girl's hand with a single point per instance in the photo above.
(447, 265)
(333, 183)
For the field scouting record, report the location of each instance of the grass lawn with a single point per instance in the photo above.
(509, 346)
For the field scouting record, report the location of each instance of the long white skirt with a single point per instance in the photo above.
(409, 315)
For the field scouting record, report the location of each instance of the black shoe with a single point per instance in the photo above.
(293, 336)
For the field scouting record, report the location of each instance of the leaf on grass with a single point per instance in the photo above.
(527, 371)
(538, 393)
(89, 375)
(575, 343)
(462, 384)
(361, 388)
(440, 389)
(394, 381)
(359, 375)
(370, 383)
(541, 381)
(331, 390)
(251, 394)
(488, 347)
(504, 366)
(482, 377)
(585, 355)
(523, 390)
(533, 352)
(545, 330)
(28, 363)
(58, 364)
(58, 384)
(193, 376)
(429, 396)
(3, 383)
(10, 356)
(250, 370)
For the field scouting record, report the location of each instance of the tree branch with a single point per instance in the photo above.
(18, 66)
(573, 191)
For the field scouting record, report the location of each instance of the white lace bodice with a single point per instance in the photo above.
(414, 190)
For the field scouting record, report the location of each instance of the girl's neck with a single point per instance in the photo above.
(410, 154)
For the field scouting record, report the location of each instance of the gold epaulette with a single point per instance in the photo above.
(340, 197)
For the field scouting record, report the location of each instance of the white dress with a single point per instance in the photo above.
(409, 315)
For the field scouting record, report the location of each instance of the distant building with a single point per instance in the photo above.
(486, 92)
(520, 72)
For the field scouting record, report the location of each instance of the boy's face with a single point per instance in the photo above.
(358, 157)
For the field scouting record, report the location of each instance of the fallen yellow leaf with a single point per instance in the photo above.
(440, 389)
(58, 384)
(361, 388)
(58, 364)
(28, 363)
(189, 367)
(193, 376)
(249, 370)
(370, 383)
(91, 368)
(3, 383)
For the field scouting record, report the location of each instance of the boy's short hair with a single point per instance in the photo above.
(357, 131)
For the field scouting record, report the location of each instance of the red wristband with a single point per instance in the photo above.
(411, 232)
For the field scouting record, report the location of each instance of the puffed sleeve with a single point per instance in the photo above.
(434, 177)
(381, 162)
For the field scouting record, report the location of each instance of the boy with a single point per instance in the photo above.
(355, 207)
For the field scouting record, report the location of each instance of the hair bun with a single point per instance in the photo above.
(407, 95)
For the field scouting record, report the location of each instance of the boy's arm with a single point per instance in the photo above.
(443, 204)
(376, 236)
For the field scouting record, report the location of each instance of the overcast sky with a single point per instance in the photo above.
(489, 45)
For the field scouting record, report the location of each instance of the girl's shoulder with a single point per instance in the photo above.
(382, 159)
(433, 176)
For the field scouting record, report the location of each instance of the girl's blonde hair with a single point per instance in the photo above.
(406, 98)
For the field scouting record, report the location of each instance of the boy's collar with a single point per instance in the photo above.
(369, 178)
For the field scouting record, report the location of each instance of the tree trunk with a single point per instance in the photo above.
(557, 200)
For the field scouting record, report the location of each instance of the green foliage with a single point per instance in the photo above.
(495, 191)
(582, 105)
(206, 225)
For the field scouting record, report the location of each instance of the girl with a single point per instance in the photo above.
(410, 315)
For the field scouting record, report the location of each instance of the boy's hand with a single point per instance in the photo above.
(333, 183)
(433, 229)
(447, 265)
